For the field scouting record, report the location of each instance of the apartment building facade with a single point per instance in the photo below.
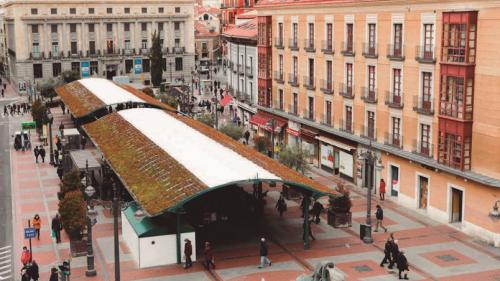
(415, 83)
(231, 9)
(105, 39)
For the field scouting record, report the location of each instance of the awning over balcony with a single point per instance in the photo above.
(226, 100)
(263, 121)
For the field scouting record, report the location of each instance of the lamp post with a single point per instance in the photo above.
(371, 158)
(91, 218)
(51, 147)
(116, 211)
(272, 122)
(170, 64)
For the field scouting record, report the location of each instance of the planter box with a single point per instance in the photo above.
(78, 248)
(339, 220)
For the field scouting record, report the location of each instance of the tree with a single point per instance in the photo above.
(295, 157)
(70, 76)
(156, 60)
(39, 113)
(232, 130)
(206, 119)
(47, 86)
(261, 144)
(70, 182)
(73, 211)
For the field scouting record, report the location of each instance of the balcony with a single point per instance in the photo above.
(165, 50)
(393, 140)
(111, 52)
(278, 43)
(346, 126)
(293, 80)
(394, 101)
(307, 114)
(93, 53)
(327, 86)
(309, 83)
(369, 132)
(327, 120)
(55, 55)
(370, 50)
(36, 55)
(327, 47)
(278, 77)
(293, 44)
(249, 71)
(74, 54)
(423, 106)
(309, 45)
(178, 50)
(369, 95)
(425, 54)
(396, 52)
(347, 91)
(423, 148)
(293, 110)
(128, 52)
(348, 49)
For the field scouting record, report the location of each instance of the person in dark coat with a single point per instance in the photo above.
(379, 214)
(208, 254)
(263, 252)
(53, 274)
(60, 171)
(316, 211)
(58, 143)
(57, 227)
(394, 253)
(63, 107)
(36, 151)
(188, 251)
(42, 154)
(61, 129)
(56, 156)
(387, 252)
(33, 271)
(402, 264)
(310, 233)
(281, 205)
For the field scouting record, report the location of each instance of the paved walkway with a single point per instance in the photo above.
(434, 251)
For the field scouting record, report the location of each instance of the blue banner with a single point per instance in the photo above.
(85, 68)
(137, 65)
(29, 232)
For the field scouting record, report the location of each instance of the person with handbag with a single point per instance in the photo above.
(56, 228)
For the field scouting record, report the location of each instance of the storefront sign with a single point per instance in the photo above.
(292, 132)
(22, 86)
(137, 65)
(327, 155)
(85, 68)
(346, 163)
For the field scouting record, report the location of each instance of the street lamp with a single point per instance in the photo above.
(272, 123)
(91, 219)
(51, 147)
(116, 212)
(371, 158)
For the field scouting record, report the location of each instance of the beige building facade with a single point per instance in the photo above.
(98, 38)
(416, 83)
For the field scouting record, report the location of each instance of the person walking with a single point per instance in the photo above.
(42, 153)
(379, 214)
(309, 232)
(25, 256)
(56, 156)
(36, 151)
(33, 271)
(387, 252)
(83, 141)
(316, 211)
(394, 253)
(3, 93)
(57, 227)
(61, 129)
(53, 274)
(264, 260)
(37, 224)
(381, 189)
(281, 205)
(188, 251)
(402, 264)
(63, 108)
(247, 136)
(208, 254)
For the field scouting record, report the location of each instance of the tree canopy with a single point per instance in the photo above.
(156, 60)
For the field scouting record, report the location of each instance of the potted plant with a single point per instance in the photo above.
(339, 211)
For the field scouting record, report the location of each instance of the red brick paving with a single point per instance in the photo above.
(460, 259)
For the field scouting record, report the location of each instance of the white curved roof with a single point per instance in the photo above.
(108, 92)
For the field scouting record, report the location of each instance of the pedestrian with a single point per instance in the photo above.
(264, 260)
(316, 211)
(61, 157)
(60, 171)
(37, 224)
(209, 256)
(402, 264)
(56, 156)
(53, 274)
(387, 252)
(83, 142)
(36, 151)
(394, 253)
(4, 86)
(188, 251)
(58, 143)
(61, 129)
(382, 189)
(56, 228)
(379, 214)
(25, 256)
(33, 271)
(63, 107)
(281, 205)
(3, 93)
(309, 231)
(42, 153)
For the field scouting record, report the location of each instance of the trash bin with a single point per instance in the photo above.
(363, 229)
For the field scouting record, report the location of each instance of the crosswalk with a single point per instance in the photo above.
(6, 263)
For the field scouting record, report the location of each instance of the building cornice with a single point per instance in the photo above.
(87, 18)
(87, 2)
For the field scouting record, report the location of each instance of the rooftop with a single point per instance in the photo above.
(202, 31)
(246, 30)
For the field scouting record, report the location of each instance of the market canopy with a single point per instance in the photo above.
(166, 159)
(86, 96)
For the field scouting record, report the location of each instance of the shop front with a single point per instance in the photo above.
(265, 122)
(337, 155)
(245, 112)
(293, 134)
(310, 143)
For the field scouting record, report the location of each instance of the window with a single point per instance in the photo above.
(144, 10)
(280, 67)
(349, 37)
(177, 10)
(109, 46)
(178, 64)
(348, 118)
(160, 26)
(311, 72)
(34, 11)
(37, 70)
(91, 27)
(310, 111)
(370, 120)
(164, 64)
(128, 66)
(428, 39)
(348, 78)
(177, 26)
(56, 69)
(109, 10)
(371, 38)
(72, 11)
(311, 35)
(55, 48)
(424, 139)
(144, 44)
(398, 39)
(454, 150)
(126, 27)
(453, 96)
(329, 75)
(294, 33)
(396, 125)
(72, 27)
(146, 65)
(177, 42)
(126, 10)
(34, 28)
(144, 26)
(280, 99)
(109, 27)
(328, 113)
(127, 45)
(295, 68)
(53, 11)
(295, 103)
(73, 48)
(53, 28)
(454, 42)
(396, 82)
(92, 47)
(94, 67)
(280, 34)
(160, 10)
(371, 81)
(329, 36)
(426, 90)
(91, 11)
(35, 48)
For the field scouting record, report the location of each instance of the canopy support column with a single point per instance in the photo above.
(306, 222)
(178, 238)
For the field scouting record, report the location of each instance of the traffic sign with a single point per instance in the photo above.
(29, 232)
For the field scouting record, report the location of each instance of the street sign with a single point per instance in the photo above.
(85, 69)
(137, 65)
(29, 232)
(28, 125)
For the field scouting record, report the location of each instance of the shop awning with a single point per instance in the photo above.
(335, 143)
(226, 100)
(264, 121)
